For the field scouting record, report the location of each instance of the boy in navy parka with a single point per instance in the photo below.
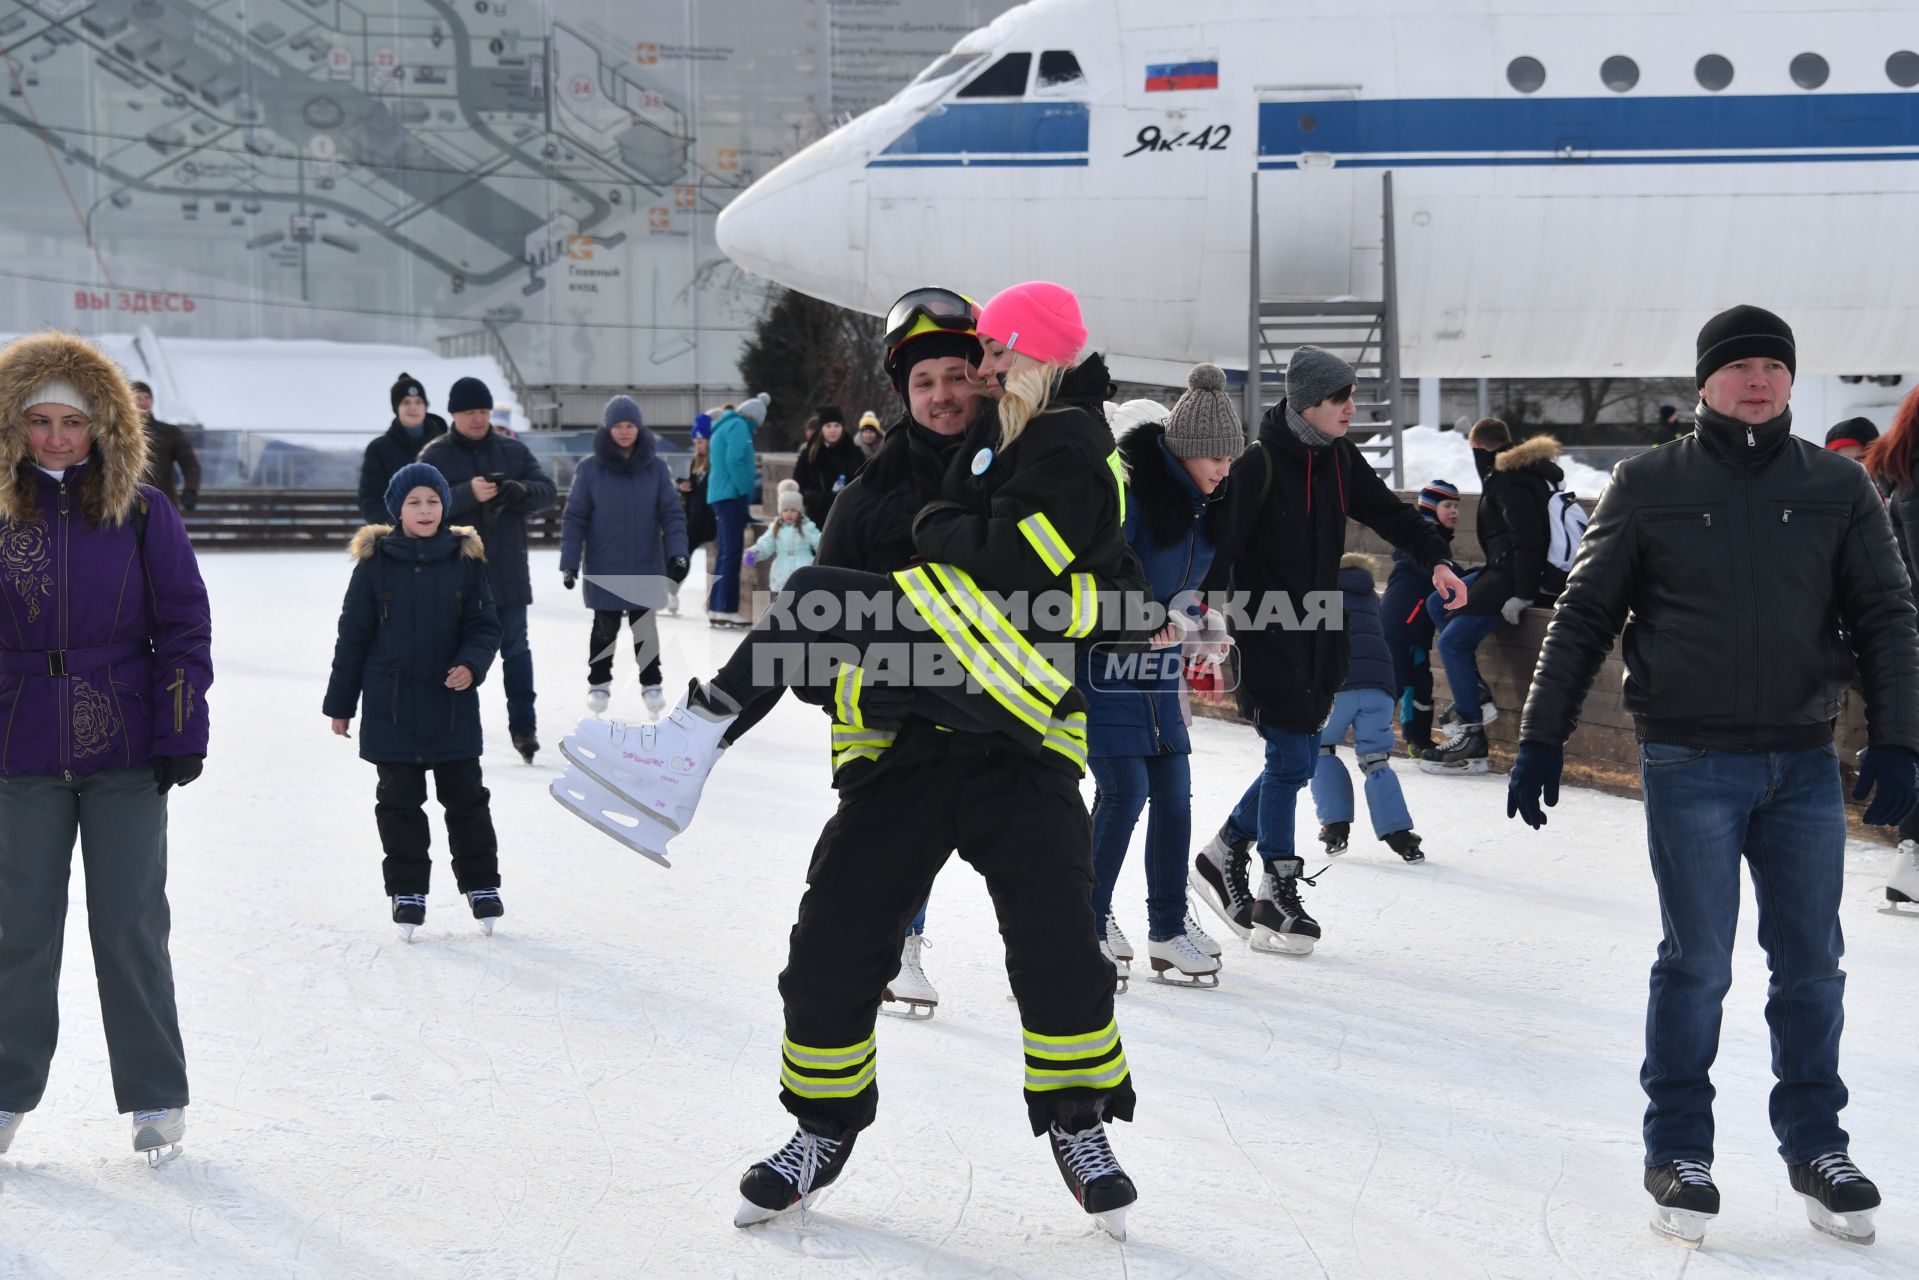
(418, 632)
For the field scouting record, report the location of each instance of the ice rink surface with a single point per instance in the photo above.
(1447, 1088)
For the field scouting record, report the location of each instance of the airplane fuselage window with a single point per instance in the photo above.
(1004, 79)
(1712, 72)
(1058, 67)
(1526, 74)
(1619, 73)
(1902, 68)
(949, 66)
(1809, 71)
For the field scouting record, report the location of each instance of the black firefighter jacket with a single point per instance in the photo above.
(1290, 541)
(1743, 564)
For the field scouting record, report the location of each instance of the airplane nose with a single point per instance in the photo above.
(803, 224)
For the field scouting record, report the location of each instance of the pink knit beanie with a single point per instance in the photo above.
(1038, 319)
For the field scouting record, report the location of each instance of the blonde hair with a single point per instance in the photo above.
(1030, 386)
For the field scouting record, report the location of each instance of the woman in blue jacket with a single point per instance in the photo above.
(624, 525)
(1135, 726)
(730, 484)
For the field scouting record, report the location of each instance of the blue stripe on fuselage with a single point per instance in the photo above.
(1036, 132)
(1600, 129)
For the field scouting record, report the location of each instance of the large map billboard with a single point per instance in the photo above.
(405, 169)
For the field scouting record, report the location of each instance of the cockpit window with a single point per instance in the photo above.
(1004, 79)
(1058, 67)
(948, 67)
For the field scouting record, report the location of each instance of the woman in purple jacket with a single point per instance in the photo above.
(104, 668)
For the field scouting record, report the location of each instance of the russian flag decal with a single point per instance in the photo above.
(1183, 73)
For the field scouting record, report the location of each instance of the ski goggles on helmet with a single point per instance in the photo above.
(928, 311)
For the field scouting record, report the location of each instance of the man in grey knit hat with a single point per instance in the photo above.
(1287, 502)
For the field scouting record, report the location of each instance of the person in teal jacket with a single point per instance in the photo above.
(791, 542)
(729, 494)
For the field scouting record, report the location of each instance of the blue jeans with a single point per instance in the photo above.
(1369, 714)
(516, 671)
(1784, 814)
(1458, 652)
(919, 918)
(1265, 812)
(1124, 784)
(729, 517)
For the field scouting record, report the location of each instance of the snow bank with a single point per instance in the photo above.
(293, 389)
(1432, 454)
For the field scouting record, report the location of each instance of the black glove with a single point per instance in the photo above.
(1535, 772)
(176, 771)
(568, 579)
(189, 499)
(677, 567)
(1891, 775)
(512, 495)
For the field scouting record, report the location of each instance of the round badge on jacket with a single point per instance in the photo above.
(981, 461)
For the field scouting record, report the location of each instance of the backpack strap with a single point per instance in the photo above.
(1265, 485)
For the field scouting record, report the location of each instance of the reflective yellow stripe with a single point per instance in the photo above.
(843, 758)
(1090, 1044)
(1052, 549)
(967, 600)
(980, 664)
(1069, 739)
(1085, 605)
(806, 1056)
(1102, 1077)
(848, 736)
(846, 694)
(810, 1087)
(1118, 467)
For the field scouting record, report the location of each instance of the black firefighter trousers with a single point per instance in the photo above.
(1021, 823)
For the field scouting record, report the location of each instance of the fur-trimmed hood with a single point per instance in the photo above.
(1168, 498)
(1527, 453)
(368, 540)
(110, 483)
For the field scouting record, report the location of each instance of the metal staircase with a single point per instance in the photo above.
(1364, 333)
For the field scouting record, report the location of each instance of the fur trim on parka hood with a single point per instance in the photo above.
(1360, 560)
(118, 457)
(1526, 453)
(368, 538)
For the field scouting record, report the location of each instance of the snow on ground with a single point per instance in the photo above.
(1445, 455)
(1448, 1088)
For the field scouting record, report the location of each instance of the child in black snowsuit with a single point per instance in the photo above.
(417, 633)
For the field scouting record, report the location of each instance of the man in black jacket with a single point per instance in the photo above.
(1515, 530)
(168, 451)
(1284, 530)
(1749, 561)
(411, 430)
(497, 483)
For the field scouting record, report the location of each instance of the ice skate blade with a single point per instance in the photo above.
(1281, 944)
(1173, 977)
(158, 1156)
(1681, 1226)
(486, 927)
(611, 814)
(1113, 1222)
(913, 1010)
(597, 762)
(750, 1214)
(1853, 1228)
(1465, 768)
(406, 932)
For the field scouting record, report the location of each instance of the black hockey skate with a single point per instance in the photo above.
(527, 745)
(1684, 1200)
(1335, 836)
(486, 906)
(1418, 731)
(801, 1169)
(1465, 753)
(1405, 844)
(1221, 867)
(1093, 1175)
(1839, 1199)
(409, 912)
(1280, 922)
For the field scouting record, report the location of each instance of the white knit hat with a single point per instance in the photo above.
(789, 499)
(60, 391)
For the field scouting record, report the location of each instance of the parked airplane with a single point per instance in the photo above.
(1574, 186)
